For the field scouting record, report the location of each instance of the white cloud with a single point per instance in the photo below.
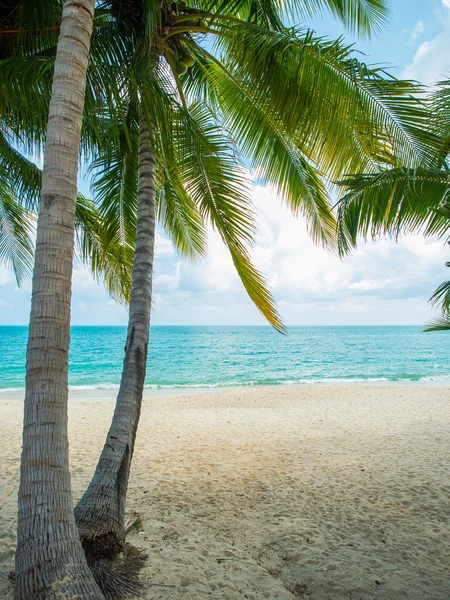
(163, 246)
(6, 276)
(431, 62)
(379, 283)
(409, 36)
(373, 284)
(417, 30)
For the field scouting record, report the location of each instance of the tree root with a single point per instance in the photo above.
(106, 546)
(118, 578)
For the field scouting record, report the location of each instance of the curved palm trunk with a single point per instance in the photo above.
(100, 514)
(50, 562)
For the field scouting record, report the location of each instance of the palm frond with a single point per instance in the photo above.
(441, 297)
(440, 119)
(261, 137)
(28, 79)
(441, 323)
(180, 217)
(114, 186)
(21, 174)
(358, 16)
(342, 114)
(392, 201)
(363, 17)
(108, 258)
(27, 26)
(16, 229)
(220, 189)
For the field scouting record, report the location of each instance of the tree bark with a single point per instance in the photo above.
(50, 563)
(100, 514)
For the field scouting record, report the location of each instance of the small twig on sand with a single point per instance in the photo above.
(227, 558)
(130, 522)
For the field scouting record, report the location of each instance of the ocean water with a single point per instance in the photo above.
(203, 357)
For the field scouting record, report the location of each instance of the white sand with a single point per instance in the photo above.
(325, 493)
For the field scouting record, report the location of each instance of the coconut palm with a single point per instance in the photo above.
(285, 130)
(67, 573)
(273, 122)
(49, 559)
(195, 136)
(193, 145)
(406, 198)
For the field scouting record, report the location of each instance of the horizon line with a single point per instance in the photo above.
(223, 325)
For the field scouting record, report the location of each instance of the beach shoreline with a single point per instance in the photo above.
(110, 393)
(321, 492)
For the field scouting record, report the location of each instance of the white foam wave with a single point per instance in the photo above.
(267, 382)
(332, 380)
(436, 378)
(99, 386)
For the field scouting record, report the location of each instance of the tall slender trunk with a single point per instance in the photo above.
(50, 562)
(100, 514)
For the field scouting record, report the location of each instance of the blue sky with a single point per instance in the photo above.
(383, 283)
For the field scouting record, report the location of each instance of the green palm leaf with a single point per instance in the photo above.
(441, 297)
(341, 113)
(441, 323)
(218, 186)
(358, 16)
(21, 174)
(108, 258)
(274, 158)
(16, 229)
(392, 201)
(114, 186)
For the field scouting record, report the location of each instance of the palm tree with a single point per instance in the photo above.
(284, 129)
(49, 561)
(411, 197)
(279, 123)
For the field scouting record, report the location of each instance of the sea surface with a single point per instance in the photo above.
(209, 357)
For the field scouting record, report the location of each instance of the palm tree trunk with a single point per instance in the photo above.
(100, 514)
(50, 562)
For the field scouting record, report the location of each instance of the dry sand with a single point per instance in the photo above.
(324, 493)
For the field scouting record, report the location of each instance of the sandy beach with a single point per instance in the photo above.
(318, 492)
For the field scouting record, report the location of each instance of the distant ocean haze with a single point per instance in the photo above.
(208, 357)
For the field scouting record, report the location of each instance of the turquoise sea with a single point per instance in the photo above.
(204, 357)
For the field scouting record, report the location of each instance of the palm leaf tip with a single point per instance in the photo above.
(441, 323)
(256, 286)
(363, 17)
(101, 249)
(441, 297)
(16, 231)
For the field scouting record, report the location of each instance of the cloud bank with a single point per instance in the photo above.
(381, 283)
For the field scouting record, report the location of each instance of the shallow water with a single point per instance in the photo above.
(209, 357)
